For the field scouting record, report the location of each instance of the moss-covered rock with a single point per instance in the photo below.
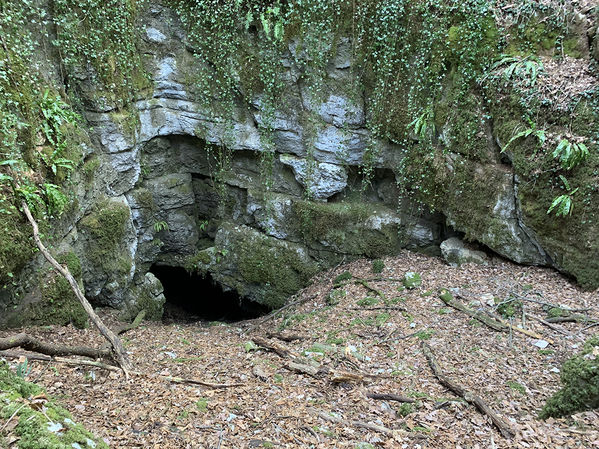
(104, 230)
(52, 428)
(264, 269)
(353, 227)
(580, 380)
(57, 303)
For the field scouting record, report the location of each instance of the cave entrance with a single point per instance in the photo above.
(193, 297)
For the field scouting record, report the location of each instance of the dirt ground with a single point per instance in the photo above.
(358, 338)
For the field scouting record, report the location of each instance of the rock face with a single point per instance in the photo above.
(177, 184)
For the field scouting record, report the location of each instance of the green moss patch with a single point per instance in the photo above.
(580, 380)
(49, 428)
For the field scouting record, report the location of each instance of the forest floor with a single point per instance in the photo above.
(359, 338)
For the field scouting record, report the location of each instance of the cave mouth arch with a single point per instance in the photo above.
(193, 297)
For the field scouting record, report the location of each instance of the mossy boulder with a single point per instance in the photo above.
(52, 428)
(262, 268)
(580, 380)
(351, 227)
(107, 235)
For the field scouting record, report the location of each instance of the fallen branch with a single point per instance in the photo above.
(30, 343)
(181, 380)
(119, 352)
(46, 358)
(551, 326)
(401, 309)
(346, 423)
(448, 299)
(574, 318)
(135, 323)
(389, 397)
(468, 396)
(286, 337)
(527, 332)
(273, 346)
(95, 364)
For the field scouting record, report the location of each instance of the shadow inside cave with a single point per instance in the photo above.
(193, 297)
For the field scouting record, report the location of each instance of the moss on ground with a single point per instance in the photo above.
(580, 380)
(52, 428)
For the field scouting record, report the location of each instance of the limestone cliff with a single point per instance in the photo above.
(265, 186)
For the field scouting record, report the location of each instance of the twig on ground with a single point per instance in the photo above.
(482, 406)
(389, 397)
(346, 423)
(448, 299)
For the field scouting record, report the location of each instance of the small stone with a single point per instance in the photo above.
(541, 344)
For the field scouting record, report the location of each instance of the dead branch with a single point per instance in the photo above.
(468, 396)
(389, 397)
(47, 358)
(181, 380)
(551, 326)
(119, 352)
(95, 364)
(573, 318)
(286, 337)
(448, 299)
(520, 329)
(30, 343)
(135, 323)
(273, 346)
(346, 423)
(401, 309)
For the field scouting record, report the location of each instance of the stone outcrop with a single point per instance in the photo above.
(177, 184)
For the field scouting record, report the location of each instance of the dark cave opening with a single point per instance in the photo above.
(193, 297)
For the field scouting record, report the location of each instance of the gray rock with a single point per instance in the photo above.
(321, 179)
(456, 253)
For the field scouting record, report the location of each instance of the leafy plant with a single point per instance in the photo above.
(423, 124)
(23, 369)
(378, 266)
(161, 226)
(570, 154)
(563, 204)
(509, 67)
(531, 131)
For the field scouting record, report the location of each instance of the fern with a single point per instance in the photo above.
(161, 226)
(570, 154)
(563, 204)
(532, 131)
(422, 124)
(509, 67)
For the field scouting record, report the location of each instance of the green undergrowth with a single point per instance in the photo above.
(40, 422)
(580, 384)
(40, 139)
